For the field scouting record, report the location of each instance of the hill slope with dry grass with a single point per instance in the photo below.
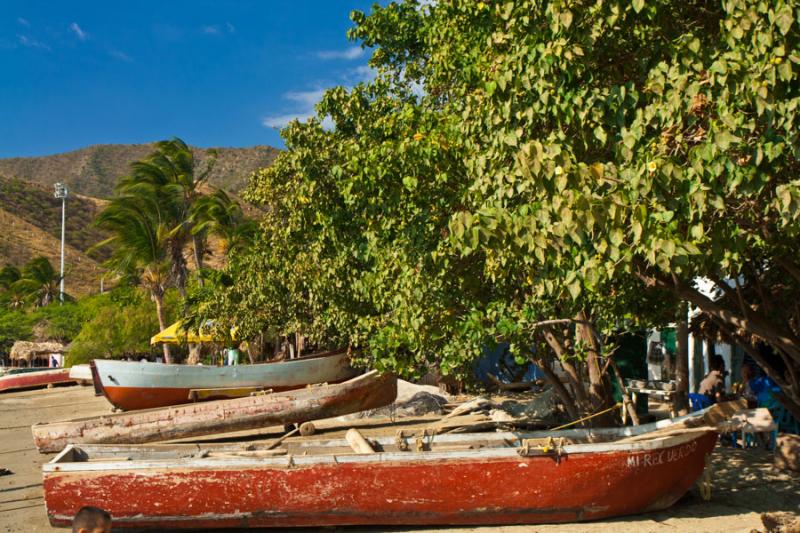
(30, 218)
(93, 171)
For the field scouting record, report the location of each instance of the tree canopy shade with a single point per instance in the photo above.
(520, 168)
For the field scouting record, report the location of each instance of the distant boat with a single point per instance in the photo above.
(450, 479)
(31, 378)
(367, 391)
(130, 385)
(81, 373)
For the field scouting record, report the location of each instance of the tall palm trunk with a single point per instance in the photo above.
(179, 272)
(158, 298)
(199, 250)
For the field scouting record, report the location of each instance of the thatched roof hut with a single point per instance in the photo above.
(27, 351)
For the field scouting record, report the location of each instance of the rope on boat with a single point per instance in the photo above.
(604, 411)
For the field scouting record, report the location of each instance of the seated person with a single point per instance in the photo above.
(713, 385)
(745, 388)
(91, 520)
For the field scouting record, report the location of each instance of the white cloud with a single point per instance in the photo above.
(351, 53)
(30, 42)
(210, 30)
(23, 22)
(119, 54)
(82, 35)
(307, 98)
(305, 110)
(280, 121)
(231, 27)
(361, 74)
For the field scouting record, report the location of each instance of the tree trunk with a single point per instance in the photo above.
(576, 383)
(598, 389)
(179, 268)
(682, 363)
(561, 390)
(195, 350)
(158, 297)
(199, 251)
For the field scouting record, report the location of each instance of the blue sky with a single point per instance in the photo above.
(215, 73)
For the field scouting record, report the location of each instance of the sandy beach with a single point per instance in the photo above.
(745, 484)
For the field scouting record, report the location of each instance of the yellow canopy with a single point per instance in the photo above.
(175, 334)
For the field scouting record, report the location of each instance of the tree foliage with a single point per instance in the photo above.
(36, 283)
(520, 163)
(118, 324)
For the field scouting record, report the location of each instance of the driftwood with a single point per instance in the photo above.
(208, 418)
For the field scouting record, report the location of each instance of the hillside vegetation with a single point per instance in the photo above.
(93, 171)
(30, 218)
(36, 205)
(21, 241)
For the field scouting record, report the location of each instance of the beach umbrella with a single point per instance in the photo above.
(175, 334)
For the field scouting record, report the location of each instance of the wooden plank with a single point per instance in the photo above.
(357, 441)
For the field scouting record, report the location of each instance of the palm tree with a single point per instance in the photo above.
(171, 176)
(12, 293)
(139, 237)
(220, 215)
(38, 280)
(8, 275)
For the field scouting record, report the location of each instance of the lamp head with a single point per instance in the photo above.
(60, 190)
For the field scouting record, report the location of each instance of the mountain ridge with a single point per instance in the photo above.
(94, 170)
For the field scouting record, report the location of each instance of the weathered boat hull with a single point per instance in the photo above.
(470, 487)
(34, 379)
(131, 385)
(367, 391)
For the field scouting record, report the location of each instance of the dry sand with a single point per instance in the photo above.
(745, 483)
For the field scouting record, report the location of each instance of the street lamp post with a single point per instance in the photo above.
(61, 192)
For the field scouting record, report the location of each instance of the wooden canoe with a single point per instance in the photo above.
(31, 378)
(131, 385)
(451, 479)
(367, 391)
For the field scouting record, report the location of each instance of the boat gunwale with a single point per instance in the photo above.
(317, 355)
(56, 465)
(294, 395)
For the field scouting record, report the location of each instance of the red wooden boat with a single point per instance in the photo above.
(367, 391)
(131, 385)
(451, 479)
(31, 378)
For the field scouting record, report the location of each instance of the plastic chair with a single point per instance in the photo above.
(698, 402)
(785, 420)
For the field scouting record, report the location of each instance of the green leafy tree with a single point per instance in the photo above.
(15, 325)
(610, 139)
(120, 325)
(544, 174)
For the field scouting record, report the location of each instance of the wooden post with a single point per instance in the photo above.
(681, 404)
(626, 401)
(357, 441)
